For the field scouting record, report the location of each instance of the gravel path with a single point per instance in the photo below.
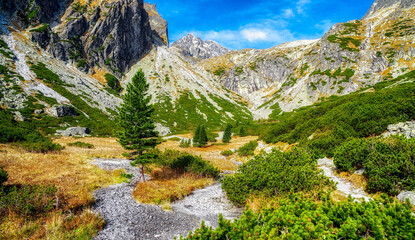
(127, 219)
(343, 185)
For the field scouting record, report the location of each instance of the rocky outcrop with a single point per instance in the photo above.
(158, 25)
(34, 12)
(192, 46)
(62, 111)
(381, 4)
(74, 132)
(404, 128)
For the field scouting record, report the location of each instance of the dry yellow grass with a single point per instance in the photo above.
(167, 186)
(75, 179)
(211, 153)
(357, 180)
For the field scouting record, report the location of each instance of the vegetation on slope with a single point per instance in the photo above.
(188, 112)
(99, 123)
(388, 162)
(325, 125)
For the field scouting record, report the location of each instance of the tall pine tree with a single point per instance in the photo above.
(196, 137)
(203, 137)
(227, 135)
(135, 120)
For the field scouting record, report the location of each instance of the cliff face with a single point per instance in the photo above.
(104, 34)
(158, 25)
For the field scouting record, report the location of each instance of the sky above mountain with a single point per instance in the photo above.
(257, 24)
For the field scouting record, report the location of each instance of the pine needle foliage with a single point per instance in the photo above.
(200, 138)
(135, 119)
(227, 135)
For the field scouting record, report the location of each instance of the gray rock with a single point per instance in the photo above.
(162, 130)
(75, 131)
(359, 171)
(39, 111)
(192, 46)
(407, 195)
(19, 117)
(62, 111)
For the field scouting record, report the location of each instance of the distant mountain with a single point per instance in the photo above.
(192, 46)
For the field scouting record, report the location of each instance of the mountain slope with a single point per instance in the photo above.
(350, 56)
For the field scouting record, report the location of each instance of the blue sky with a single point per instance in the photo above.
(257, 24)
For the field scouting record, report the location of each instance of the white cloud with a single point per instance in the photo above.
(252, 34)
(301, 6)
(288, 13)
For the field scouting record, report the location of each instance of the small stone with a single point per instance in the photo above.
(39, 111)
(407, 195)
(162, 130)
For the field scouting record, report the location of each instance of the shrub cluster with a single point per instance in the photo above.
(296, 217)
(24, 136)
(27, 200)
(248, 149)
(389, 163)
(276, 173)
(81, 145)
(184, 162)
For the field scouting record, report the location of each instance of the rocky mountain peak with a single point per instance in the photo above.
(193, 46)
(381, 4)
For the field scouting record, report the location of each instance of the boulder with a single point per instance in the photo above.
(62, 111)
(75, 131)
(162, 130)
(19, 117)
(407, 195)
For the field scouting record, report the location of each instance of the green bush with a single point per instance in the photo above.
(3, 176)
(351, 155)
(275, 174)
(40, 147)
(81, 145)
(28, 200)
(184, 162)
(226, 153)
(113, 82)
(388, 163)
(248, 149)
(297, 217)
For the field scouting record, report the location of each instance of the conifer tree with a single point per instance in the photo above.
(135, 119)
(242, 132)
(196, 137)
(227, 135)
(203, 137)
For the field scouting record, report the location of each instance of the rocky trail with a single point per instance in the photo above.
(128, 219)
(343, 185)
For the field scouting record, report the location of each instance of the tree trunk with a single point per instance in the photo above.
(143, 179)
